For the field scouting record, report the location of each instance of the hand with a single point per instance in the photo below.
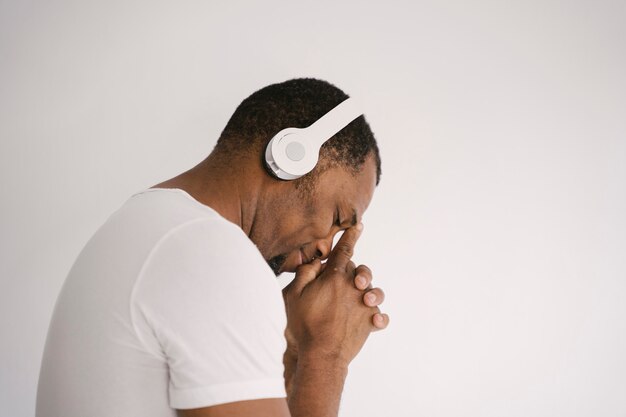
(372, 297)
(329, 317)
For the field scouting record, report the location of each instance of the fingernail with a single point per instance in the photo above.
(379, 318)
(361, 281)
(371, 298)
(359, 227)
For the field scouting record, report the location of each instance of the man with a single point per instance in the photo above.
(171, 305)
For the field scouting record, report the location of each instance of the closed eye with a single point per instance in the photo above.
(337, 221)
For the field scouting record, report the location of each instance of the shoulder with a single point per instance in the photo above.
(213, 242)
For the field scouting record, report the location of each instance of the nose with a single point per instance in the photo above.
(323, 246)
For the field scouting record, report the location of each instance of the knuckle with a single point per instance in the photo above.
(379, 321)
(304, 271)
(361, 281)
(365, 270)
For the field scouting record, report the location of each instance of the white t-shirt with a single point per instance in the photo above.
(168, 306)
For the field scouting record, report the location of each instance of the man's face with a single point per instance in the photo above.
(296, 229)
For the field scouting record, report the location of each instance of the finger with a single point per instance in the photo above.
(305, 273)
(363, 277)
(380, 321)
(343, 251)
(374, 297)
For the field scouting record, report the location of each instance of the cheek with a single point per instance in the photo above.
(293, 225)
(286, 234)
(301, 231)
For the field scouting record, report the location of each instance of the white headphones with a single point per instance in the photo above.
(293, 152)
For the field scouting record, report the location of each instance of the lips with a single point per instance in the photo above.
(305, 259)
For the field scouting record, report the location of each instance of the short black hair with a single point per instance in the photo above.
(298, 103)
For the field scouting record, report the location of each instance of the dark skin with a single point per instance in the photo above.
(331, 307)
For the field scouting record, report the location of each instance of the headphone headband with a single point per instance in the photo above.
(332, 122)
(294, 152)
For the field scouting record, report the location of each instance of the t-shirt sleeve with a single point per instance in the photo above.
(208, 305)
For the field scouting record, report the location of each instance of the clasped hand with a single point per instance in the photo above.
(331, 308)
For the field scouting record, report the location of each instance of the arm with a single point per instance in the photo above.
(267, 407)
(317, 387)
(316, 393)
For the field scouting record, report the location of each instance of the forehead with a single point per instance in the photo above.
(349, 190)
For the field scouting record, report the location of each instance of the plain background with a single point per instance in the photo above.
(499, 228)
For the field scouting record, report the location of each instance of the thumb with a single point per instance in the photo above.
(304, 275)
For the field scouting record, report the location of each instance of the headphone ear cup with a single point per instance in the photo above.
(291, 154)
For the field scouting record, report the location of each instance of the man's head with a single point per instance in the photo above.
(295, 221)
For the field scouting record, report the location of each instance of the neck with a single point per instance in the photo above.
(230, 189)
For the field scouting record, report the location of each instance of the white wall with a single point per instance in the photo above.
(499, 227)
